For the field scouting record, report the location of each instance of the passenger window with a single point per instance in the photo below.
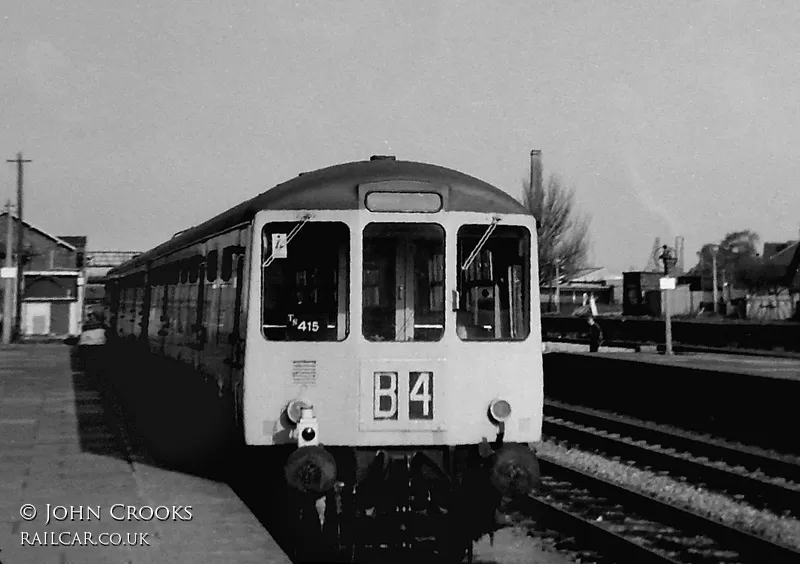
(305, 269)
(194, 268)
(493, 283)
(211, 265)
(403, 282)
(227, 263)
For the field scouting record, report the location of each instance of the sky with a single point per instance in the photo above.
(145, 118)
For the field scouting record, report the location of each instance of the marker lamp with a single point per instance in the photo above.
(295, 410)
(500, 410)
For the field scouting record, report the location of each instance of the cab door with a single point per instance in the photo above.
(403, 285)
(402, 371)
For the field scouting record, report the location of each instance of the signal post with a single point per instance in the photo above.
(666, 284)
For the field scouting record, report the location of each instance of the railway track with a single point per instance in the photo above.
(612, 523)
(764, 479)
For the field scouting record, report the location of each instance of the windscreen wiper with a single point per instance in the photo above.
(481, 243)
(291, 235)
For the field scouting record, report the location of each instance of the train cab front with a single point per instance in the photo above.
(399, 343)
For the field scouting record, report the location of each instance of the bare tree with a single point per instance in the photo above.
(563, 232)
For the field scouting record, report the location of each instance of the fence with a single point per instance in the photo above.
(772, 308)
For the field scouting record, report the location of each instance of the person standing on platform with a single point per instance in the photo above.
(595, 335)
(91, 344)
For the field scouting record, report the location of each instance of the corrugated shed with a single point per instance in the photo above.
(594, 275)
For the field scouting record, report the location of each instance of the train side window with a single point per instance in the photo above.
(306, 282)
(184, 266)
(194, 268)
(493, 283)
(227, 263)
(211, 265)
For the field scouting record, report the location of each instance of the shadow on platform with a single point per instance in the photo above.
(166, 416)
(150, 413)
(97, 429)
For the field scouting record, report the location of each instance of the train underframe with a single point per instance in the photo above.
(363, 504)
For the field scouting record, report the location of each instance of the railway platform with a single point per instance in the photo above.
(766, 366)
(73, 491)
(751, 399)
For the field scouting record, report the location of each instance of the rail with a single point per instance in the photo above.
(760, 477)
(576, 502)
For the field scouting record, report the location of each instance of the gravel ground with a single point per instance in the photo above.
(512, 545)
(777, 528)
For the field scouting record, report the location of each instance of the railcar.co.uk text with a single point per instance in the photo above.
(81, 513)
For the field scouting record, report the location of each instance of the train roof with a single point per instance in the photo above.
(336, 188)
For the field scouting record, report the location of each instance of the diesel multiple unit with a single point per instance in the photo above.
(373, 327)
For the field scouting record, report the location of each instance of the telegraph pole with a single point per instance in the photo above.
(8, 299)
(714, 290)
(18, 318)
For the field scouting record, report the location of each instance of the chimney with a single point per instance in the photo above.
(536, 170)
(679, 255)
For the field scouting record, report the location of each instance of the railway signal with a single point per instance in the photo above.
(666, 284)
